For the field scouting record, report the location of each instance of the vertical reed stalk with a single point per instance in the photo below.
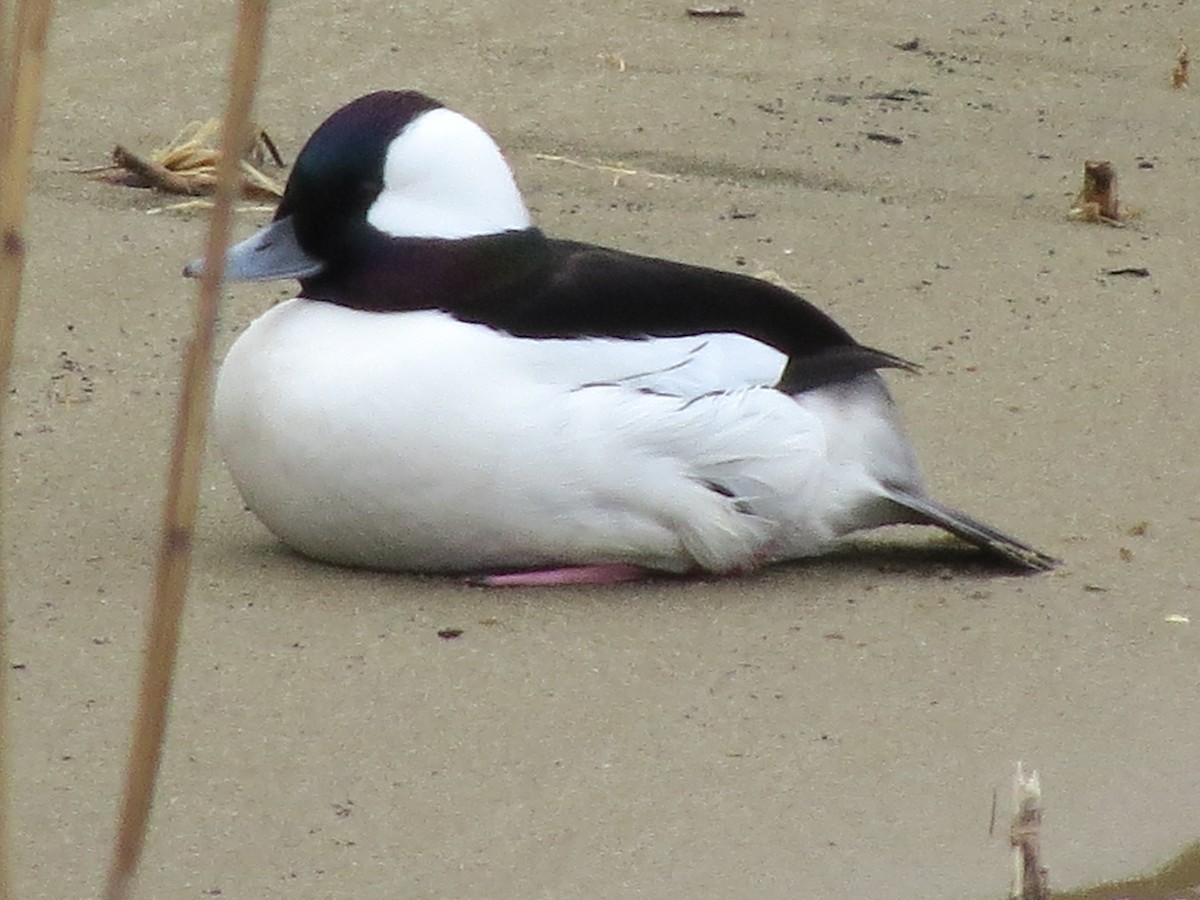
(22, 63)
(7, 39)
(179, 508)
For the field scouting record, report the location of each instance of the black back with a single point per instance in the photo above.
(523, 282)
(530, 286)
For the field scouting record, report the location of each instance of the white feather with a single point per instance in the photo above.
(415, 441)
(444, 177)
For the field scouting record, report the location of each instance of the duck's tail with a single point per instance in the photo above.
(927, 511)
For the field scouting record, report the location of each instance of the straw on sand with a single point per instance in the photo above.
(22, 62)
(188, 165)
(179, 508)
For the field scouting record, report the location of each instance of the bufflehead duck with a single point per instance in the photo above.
(453, 391)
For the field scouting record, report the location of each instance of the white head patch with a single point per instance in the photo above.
(444, 177)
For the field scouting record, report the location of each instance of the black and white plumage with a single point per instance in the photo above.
(453, 391)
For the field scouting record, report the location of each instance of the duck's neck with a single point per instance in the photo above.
(401, 274)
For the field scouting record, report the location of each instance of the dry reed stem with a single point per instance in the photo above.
(179, 508)
(6, 53)
(23, 44)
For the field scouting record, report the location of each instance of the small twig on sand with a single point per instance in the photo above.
(1097, 199)
(1183, 62)
(716, 12)
(157, 176)
(1030, 877)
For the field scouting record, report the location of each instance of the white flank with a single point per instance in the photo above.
(415, 441)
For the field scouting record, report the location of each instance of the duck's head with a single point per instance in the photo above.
(388, 166)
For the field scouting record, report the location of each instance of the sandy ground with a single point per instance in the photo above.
(835, 729)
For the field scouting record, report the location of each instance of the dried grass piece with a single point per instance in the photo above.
(200, 204)
(612, 60)
(1030, 880)
(1179, 75)
(188, 165)
(772, 277)
(1097, 199)
(615, 169)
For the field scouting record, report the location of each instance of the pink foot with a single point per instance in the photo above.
(608, 573)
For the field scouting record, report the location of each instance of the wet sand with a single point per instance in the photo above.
(832, 729)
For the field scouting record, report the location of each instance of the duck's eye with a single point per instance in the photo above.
(368, 190)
